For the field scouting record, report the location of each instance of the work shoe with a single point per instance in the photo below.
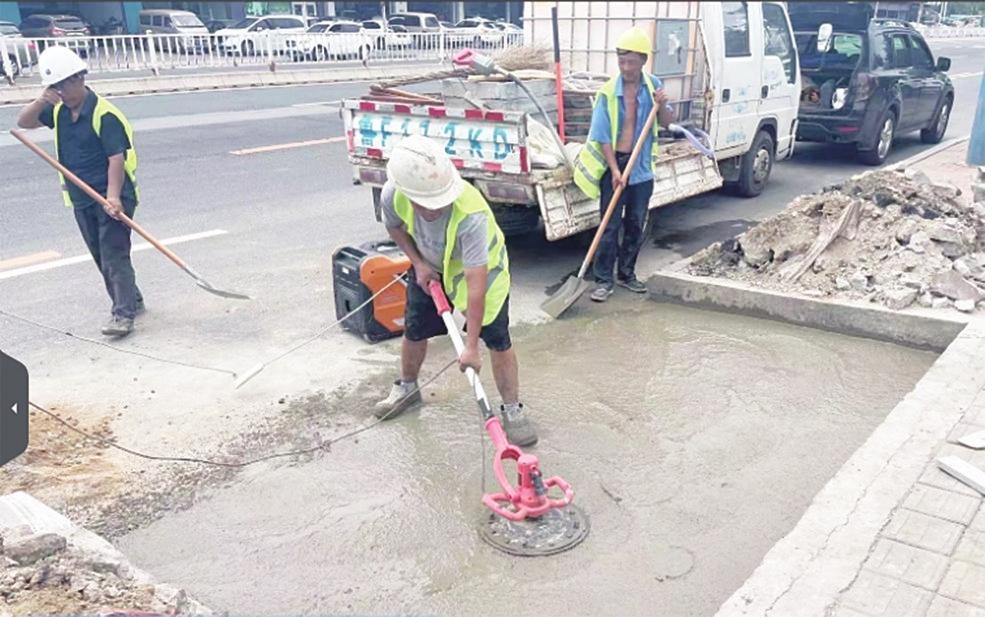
(141, 309)
(519, 430)
(601, 293)
(634, 285)
(118, 326)
(402, 397)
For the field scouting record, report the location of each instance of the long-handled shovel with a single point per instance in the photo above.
(575, 286)
(201, 282)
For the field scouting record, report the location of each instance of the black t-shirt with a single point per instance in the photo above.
(86, 154)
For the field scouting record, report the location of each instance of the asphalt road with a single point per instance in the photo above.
(277, 216)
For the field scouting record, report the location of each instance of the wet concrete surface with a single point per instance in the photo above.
(694, 441)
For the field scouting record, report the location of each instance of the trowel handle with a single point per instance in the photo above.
(444, 309)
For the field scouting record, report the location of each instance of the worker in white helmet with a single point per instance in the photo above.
(621, 109)
(444, 225)
(94, 140)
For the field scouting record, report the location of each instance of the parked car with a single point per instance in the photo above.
(185, 29)
(416, 22)
(215, 25)
(253, 34)
(867, 81)
(332, 40)
(387, 36)
(70, 31)
(20, 51)
(477, 32)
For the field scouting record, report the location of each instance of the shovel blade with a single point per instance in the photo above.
(221, 293)
(568, 294)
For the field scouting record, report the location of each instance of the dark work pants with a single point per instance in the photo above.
(630, 216)
(108, 241)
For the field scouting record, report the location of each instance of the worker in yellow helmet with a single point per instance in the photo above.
(621, 108)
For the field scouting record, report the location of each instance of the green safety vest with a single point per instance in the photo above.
(453, 273)
(590, 165)
(102, 108)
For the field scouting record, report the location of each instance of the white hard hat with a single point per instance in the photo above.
(57, 63)
(422, 172)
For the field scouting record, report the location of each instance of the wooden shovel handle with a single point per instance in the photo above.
(126, 220)
(650, 119)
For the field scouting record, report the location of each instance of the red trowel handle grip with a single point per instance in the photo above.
(439, 297)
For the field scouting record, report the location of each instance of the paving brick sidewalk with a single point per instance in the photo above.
(929, 559)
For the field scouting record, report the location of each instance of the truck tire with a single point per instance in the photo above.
(934, 133)
(756, 166)
(884, 140)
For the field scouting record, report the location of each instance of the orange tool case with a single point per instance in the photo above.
(360, 272)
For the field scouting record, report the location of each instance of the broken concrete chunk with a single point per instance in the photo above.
(952, 285)
(943, 232)
(906, 230)
(942, 303)
(965, 306)
(915, 175)
(925, 299)
(28, 551)
(858, 280)
(961, 267)
(908, 279)
(842, 284)
(899, 299)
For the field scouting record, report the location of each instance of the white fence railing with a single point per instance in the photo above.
(156, 52)
(951, 32)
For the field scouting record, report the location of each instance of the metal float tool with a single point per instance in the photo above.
(524, 520)
(123, 218)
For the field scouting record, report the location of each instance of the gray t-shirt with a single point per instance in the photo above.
(430, 236)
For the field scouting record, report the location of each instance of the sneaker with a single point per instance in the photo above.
(519, 430)
(634, 285)
(402, 397)
(118, 326)
(601, 293)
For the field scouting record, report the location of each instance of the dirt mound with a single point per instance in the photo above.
(890, 236)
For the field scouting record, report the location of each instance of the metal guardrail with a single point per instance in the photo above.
(120, 53)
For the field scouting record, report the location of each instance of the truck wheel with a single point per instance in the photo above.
(934, 133)
(756, 165)
(884, 141)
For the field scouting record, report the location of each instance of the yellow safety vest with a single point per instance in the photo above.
(102, 108)
(590, 165)
(453, 272)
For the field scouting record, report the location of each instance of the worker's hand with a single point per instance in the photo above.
(115, 208)
(660, 98)
(470, 358)
(617, 181)
(50, 96)
(425, 274)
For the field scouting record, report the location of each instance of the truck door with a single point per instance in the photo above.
(737, 89)
(780, 90)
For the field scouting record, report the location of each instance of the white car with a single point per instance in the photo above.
(387, 36)
(332, 40)
(476, 32)
(257, 35)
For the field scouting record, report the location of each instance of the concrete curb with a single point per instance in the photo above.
(921, 328)
(926, 154)
(214, 81)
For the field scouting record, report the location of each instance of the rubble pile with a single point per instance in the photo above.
(44, 574)
(891, 237)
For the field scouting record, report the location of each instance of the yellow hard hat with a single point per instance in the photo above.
(636, 40)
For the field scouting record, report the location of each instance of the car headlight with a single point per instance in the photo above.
(839, 97)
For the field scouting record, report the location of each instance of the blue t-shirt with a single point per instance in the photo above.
(601, 128)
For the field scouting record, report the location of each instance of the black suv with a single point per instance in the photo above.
(872, 80)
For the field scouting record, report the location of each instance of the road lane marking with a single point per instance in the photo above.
(317, 104)
(28, 260)
(143, 246)
(963, 75)
(295, 144)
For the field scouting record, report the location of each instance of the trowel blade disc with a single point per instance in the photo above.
(555, 532)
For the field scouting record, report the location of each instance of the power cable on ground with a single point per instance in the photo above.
(240, 464)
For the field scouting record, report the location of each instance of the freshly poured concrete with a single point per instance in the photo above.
(694, 441)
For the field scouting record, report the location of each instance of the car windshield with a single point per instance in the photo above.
(185, 20)
(8, 29)
(243, 24)
(847, 49)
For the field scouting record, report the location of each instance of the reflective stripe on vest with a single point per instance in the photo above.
(453, 272)
(102, 108)
(590, 165)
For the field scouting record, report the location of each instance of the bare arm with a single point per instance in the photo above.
(114, 184)
(29, 116)
(475, 281)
